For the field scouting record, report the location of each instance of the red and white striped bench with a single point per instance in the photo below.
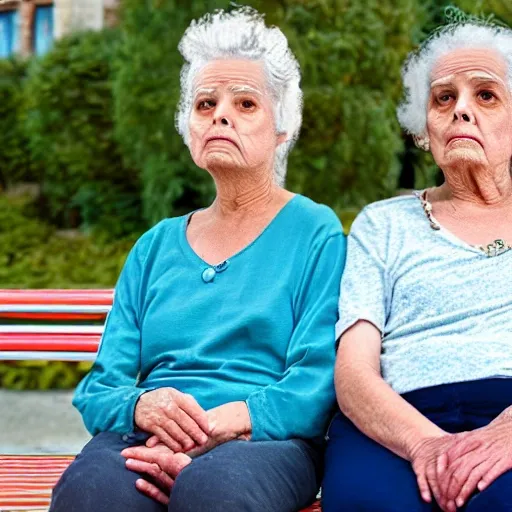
(52, 325)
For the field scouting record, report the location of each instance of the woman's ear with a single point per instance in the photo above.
(281, 137)
(422, 141)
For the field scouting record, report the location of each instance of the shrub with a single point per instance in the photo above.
(33, 255)
(70, 126)
(15, 162)
(146, 94)
(350, 148)
(41, 375)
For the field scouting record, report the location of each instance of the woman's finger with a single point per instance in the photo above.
(431, 475)
(497, 469)
(152, 491)
(423, 487)
(471, 482)
(189, 404)
(458, 473)
(167, 439)
(153, 470)
(177, 434)
(152, 441)
(140, 453)
(441, 465)
(189, 426)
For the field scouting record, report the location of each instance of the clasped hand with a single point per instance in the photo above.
(453, 466)
(179, 425)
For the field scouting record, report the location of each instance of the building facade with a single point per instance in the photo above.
(30, 26)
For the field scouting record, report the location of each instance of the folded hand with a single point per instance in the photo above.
(225, 423)
(174, 417)
(475, 460)
(158, 462)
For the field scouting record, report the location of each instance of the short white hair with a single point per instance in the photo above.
(416, 72)
(242, 34)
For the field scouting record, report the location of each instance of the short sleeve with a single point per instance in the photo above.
(364, 293)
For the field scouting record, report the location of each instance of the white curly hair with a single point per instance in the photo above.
(416, 72)
(242, 34)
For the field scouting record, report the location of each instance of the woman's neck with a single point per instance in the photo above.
(237, 197)
(477, 186)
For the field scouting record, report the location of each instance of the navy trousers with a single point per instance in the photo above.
(238, 476)
(361, 475)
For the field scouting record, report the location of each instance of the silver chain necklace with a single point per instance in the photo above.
(495, 248)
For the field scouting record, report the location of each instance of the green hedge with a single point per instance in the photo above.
(69, 107)
(146, 92)
(41, 375)
(33, 255)
(16, 163)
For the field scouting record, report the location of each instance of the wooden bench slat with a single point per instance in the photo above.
(40, 330)
(48, 342)
(19, 355)
(66, 297)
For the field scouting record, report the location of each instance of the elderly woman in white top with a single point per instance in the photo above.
(214, 380)
(424, 364)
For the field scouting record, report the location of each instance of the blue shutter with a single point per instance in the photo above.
(15, 32)
(8, 33)
(43, 29)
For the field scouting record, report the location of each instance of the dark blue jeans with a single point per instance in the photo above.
(361, 475)
(237, 476)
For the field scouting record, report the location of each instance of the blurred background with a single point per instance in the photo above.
(90, 158)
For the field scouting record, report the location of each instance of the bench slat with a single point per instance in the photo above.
(13, 355)
(40, 330)
(35, 493)
(66, 297)
(45, 342)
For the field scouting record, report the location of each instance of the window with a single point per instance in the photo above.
(43, 29)
(8, 33)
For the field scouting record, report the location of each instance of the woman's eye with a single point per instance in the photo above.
(486, 95)
(205, 104)
(247, 104)
(444, 98)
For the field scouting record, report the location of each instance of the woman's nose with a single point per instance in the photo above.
(222, 115)
(459, 115)
(463, 111)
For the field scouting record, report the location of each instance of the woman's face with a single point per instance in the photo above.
(470, 109)
(232, 121)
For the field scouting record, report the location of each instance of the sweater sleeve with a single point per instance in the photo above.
(106, 397)
(299, 405)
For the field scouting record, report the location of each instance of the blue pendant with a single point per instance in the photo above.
(208, 275)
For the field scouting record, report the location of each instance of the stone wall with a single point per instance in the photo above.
(75, 15)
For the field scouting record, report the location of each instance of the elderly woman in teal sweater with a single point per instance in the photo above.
(214, 378)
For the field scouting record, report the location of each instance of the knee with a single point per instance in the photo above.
(88, 480)
(81, 481)
(196, 488)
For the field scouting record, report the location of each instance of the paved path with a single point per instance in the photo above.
(40, 422)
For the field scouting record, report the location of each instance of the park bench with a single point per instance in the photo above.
(49, 325)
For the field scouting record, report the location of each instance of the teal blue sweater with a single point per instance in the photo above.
(261, 331)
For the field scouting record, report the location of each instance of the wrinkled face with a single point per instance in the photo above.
(232, 121)
(469, 115)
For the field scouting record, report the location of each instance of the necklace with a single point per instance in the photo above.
(495, 248)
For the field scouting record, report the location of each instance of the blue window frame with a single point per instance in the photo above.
(8, 33)
(43, 29)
